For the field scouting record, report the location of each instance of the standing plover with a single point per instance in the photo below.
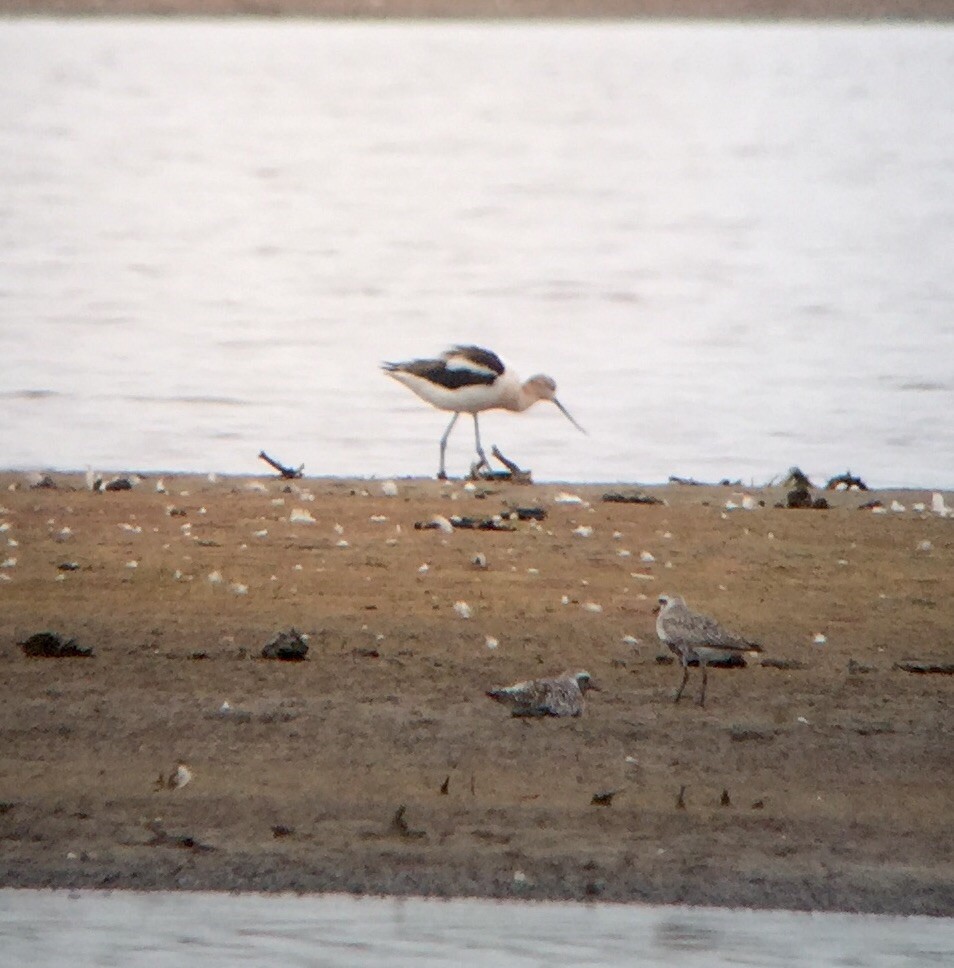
(691, 635)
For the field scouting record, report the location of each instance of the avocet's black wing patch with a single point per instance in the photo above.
(475, 356)
(440, 373)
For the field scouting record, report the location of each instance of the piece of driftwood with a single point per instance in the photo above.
(692, 482)
(631, 497)
(742, 734)
(847, 481)
(496, 522)
(118, 484)
(797, 479)
(927, 668)
(529, 514)
(467, 524)
(729, 660)
(800, 497)
(288, 473)
(399, 825)
(288, 646)
(513, 473)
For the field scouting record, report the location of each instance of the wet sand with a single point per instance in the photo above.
(502, 9)
(838, 770)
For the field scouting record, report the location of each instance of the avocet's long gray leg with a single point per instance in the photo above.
(480, 450)
(442, 474)
(685, 679)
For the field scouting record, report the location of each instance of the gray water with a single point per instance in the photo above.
(173, 930)
(731, 245)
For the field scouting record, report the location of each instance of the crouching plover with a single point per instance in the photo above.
(557, 696)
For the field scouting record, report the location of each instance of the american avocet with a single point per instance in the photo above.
(468, 379)
(560, 696)
(691, 635)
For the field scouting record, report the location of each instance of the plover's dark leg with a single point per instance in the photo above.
(442, 474)
(705, 675)
(685, 679)
(480, 450)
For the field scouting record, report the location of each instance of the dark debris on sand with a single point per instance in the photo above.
(288, 646)
(49, 645)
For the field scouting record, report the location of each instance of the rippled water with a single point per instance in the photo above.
(171, 930)
(730, 244)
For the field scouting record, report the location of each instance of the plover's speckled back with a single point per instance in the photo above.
(693, 636)
(556, 696)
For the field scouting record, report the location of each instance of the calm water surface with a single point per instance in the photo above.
(731, 245)
(171, 930)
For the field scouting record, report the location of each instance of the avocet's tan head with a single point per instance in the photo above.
(542, 387)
